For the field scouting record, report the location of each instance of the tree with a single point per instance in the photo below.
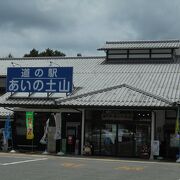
(10, 55)
(32, 53)
(47, 53)
(58, 53)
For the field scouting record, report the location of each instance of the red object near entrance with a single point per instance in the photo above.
(70, 140)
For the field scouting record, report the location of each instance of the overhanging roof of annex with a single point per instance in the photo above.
(143, 44)
(117, 96)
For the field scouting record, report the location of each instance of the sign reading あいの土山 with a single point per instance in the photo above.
(40, 79)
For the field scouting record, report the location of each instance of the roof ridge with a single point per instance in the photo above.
(90, 93)
(52, 57)
(116, 87)
(149, 94)
(143, 41)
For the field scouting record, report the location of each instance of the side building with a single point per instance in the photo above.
(121, 104)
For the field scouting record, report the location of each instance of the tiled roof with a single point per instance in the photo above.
(92, 75)
(141, 44)
(20, 100)
(122, 95)
(79, 63)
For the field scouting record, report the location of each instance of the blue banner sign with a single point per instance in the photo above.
(40, 79)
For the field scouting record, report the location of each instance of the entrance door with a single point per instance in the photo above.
(117, 139)
(108, 139)
(71, 139)
(125, 140)
(71, 132)
(142, 138)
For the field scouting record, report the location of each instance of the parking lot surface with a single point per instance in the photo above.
(40, 167)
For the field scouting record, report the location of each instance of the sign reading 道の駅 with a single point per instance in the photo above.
(40, 79)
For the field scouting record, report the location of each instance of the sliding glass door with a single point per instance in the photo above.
(125, 140)
(108, 139)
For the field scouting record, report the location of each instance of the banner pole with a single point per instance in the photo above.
(32, 145)
(12, 144)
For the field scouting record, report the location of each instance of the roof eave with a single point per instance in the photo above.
(117, 107)
(117, 48)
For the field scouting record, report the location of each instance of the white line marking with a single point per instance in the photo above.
(20, 162)
(16, 157)
(20, 155)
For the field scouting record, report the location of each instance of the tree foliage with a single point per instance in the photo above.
(10, 55)
(46, 53)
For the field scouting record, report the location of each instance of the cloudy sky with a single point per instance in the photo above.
(82, 26)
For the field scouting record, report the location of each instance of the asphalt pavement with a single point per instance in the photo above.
(44, 167)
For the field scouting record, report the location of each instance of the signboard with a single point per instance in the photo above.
(155, 148)
(39, 79)
(117, 115)
(29, 125)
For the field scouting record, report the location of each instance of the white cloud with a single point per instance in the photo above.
(83, 25)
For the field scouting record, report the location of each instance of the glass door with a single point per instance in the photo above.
(142, 139)
(93, 138)
(71, 139)
(125, 140)
(108, 139)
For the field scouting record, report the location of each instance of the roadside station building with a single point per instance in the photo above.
(123, 104)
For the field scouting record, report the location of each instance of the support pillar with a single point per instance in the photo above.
(82, 131)
(59, 133)
(152, 134)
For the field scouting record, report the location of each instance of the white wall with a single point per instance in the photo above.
(139, 56)
(118, 56)
(161, 55)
